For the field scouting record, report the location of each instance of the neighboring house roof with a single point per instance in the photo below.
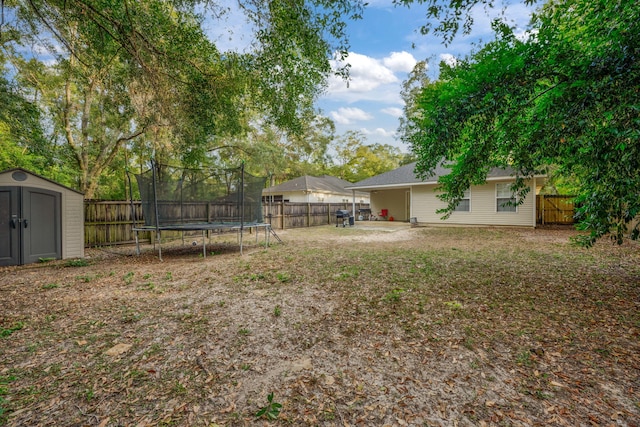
(323, 184)
(405, 176)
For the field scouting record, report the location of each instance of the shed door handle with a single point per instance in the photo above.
(26, 223)
(12, 223)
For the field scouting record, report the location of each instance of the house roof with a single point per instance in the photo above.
(323, 184)
(405, 176)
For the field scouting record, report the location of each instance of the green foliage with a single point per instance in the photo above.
(77, 262)
(283, 277)
(453, 305)
(271, 410)
(524, 358)
(448, 19)
(566, 97)
(144, 76)
(5, 332)
(356, 161)
(128, 278)
(4, 391)
(394, 295)
(21, 135)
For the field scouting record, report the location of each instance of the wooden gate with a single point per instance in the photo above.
(552, 209)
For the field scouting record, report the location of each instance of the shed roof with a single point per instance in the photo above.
(8, 171)
(406, 176)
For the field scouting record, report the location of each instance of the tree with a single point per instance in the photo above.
(411, 89)
(568, 96)
(357, 161)
(448, 19)
(21, 135)
(154, 59)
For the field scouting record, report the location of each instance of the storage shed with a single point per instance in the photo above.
(39, 219)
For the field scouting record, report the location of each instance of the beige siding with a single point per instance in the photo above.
(483, 207)
(72, 211)
(72, 225)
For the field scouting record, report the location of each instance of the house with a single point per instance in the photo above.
(311, 189)
(400, 195)
(39, 219)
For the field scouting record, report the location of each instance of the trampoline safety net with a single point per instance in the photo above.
(174, 197)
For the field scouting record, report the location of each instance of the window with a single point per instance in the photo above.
(465, 202)
(505, 199)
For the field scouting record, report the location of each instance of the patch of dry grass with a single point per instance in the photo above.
(353, 326)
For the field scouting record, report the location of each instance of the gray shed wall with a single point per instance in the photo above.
(72, 210)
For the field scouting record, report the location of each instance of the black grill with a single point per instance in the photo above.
(342, 217)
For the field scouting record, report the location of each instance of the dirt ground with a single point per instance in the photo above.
(378, 324)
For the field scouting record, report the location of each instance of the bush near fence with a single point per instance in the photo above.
(112, 222)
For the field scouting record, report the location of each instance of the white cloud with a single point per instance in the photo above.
(378, 132)
(347, 115)
(393, 111)
(370, 78)
(365, 73)
(400, 61)
(526, 35)
(448, 59)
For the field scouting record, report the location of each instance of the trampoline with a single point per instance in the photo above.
(180, 199)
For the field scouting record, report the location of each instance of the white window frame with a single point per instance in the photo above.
(466, 196)
(501, 189)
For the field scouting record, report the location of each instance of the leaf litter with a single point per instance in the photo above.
(368, 325)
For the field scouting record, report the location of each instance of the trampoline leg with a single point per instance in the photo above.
(160, 245)
(204, 245)
(137, 244)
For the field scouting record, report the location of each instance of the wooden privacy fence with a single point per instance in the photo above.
(283, 215)
(552, 209)
(111, 222)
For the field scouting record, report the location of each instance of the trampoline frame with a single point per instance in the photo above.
(204, 227)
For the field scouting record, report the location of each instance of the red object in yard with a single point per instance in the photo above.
(390, 218)
(384, 212)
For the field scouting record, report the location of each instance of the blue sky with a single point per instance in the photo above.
(385, 45)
